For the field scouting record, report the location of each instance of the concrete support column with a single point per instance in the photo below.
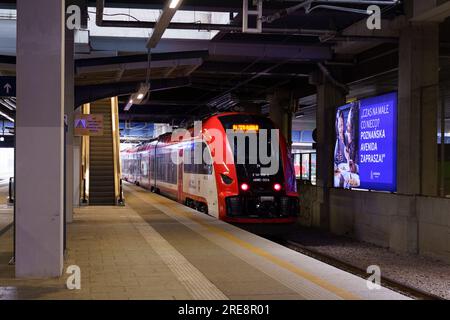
(282, 106)
(418, 108)
(40, 138)
(328, 98)
(69, 101)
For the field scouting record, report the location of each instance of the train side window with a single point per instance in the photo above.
(171, 169)
(190, 165)
(143, 168)
(207, 160)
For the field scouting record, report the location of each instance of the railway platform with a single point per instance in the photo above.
(6, 212)
(154, 248)
(3, 191)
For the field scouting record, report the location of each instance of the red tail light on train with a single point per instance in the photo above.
(245, 187)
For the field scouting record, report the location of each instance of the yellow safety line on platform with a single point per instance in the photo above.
(262, 253)
(280, 262)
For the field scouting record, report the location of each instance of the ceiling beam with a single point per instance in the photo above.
(155, 118)
(194, 63)
(437, 14)
(230, 50)
(189, 54)
(390, 30)
(85, 94)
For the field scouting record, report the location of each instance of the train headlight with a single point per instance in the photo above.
(245, 187)
(277, 187)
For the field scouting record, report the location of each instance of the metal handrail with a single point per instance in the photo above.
(118, 190)
(121, 200)
(11, 193)
(84, 199)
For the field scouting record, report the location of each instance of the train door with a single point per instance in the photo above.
(144, 181)
(180, 175)
(151, 165)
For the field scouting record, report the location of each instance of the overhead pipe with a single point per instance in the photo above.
(208, 27)
(336, 8)
(220, 27)
(307, 6)
(359, 2)
(287, 11)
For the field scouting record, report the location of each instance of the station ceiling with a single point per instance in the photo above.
(235, 68)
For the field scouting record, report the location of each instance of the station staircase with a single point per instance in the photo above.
(102, 157)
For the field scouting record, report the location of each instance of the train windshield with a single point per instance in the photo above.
(255, 144)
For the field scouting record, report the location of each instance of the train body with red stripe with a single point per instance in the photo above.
(223, 182)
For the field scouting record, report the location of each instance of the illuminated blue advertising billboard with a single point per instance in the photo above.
(365, 154)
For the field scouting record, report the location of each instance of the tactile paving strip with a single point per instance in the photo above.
(193, 280)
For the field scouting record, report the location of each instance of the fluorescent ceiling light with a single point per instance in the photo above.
(173, 4)
(128, 106)
(4, 103)
(136, 98)
(301, 144)
(6, 116)
(11, 103)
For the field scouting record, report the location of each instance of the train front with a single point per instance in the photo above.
(259, 185)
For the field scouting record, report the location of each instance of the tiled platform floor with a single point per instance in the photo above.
(6, 213)
(154, 248)
(3, 192)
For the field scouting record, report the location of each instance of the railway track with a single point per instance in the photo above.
(409, 291)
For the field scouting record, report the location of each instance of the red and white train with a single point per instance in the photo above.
(235, 192)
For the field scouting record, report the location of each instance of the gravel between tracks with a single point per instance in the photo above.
(420, 272)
